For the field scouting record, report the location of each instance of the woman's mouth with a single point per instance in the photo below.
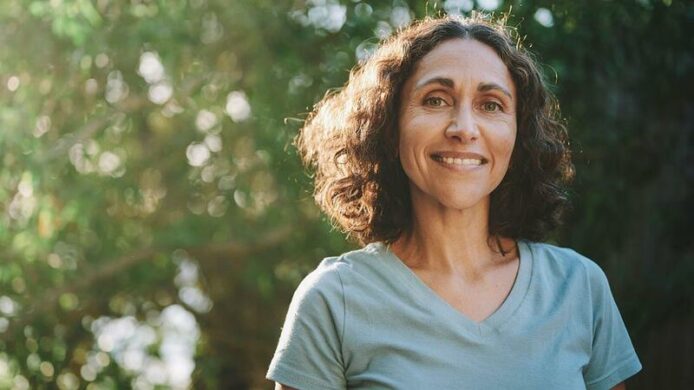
(458, 159)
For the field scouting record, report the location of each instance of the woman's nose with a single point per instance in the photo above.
(463, 126)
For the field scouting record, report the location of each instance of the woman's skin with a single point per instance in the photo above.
(457, 125)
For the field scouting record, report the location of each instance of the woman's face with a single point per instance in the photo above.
(457, 124)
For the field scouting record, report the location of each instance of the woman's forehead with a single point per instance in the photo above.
(462, 61)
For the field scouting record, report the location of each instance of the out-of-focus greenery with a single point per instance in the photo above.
(155, 218)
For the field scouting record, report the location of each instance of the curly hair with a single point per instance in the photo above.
(350, 140)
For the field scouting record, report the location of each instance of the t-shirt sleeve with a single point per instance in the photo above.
(309, 354)
(613, 358)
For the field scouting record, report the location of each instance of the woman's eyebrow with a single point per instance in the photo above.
(484, 87)
(446, 82)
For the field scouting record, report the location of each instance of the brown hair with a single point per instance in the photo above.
(350, 140)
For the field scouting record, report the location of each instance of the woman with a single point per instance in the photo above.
(444, 155)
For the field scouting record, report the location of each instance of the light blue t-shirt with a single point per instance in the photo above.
(365, 320)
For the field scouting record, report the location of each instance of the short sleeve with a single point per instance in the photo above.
(308, 354)
(612, 358)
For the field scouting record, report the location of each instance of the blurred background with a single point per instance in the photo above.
(155, 218)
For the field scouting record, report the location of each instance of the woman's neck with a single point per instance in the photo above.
(451, 241)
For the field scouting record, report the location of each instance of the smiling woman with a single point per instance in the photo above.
(445, 157)
(457, 125)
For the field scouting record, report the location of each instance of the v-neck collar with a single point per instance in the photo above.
(441, 307)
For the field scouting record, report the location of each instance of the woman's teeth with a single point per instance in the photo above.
(460, 161)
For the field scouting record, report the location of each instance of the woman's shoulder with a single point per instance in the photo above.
(358, 257)
(370, 258)
(332, 271)
(565, 263)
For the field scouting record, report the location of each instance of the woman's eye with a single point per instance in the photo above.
(434, 101)
(491, 106)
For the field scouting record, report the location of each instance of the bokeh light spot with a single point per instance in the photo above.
(237, 106)
(151, 68)
(544, 17)
(13, 83)
(197, 154)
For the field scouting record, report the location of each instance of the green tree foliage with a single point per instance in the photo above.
(155, 218)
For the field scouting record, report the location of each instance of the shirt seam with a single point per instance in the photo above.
(528, 287)
(287, 375)
(344, 319)
(630, 358)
